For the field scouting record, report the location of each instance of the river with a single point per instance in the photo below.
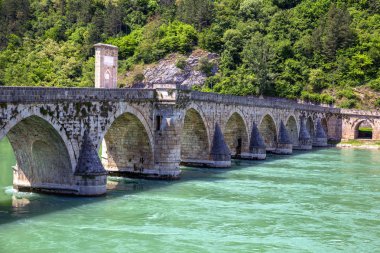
(327, 200)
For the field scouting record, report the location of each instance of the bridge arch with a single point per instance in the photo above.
(195, 141)
(293, 130)
(268, 131)
(236, 134)
(364, 129)
(41, 153)
(127, 142)
(52, 122)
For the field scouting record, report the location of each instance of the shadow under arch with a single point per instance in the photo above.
(268, 131)
(310, 127)
(195, 141)
(123, 110)
(24, 114)
(236, 135)
(42, 157)
(127, 145)
(363, 129)
(325, 126)
(293, 130)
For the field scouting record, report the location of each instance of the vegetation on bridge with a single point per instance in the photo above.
(319, 50)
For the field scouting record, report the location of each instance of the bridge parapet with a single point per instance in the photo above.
(45, 95)
(253, 101)
(359, 112)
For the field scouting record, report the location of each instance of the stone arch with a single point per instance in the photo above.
(195, 144)
(126, 145)
(236, 134)
(26, 113)
(310, 127)
(42, 155)
(120, 111)
(363, 129)
(268, 131)
(292, 128)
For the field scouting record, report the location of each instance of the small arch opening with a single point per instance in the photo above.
(364, 130)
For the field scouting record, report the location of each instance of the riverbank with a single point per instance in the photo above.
(358, 144)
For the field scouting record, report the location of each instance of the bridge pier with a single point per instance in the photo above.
(167, 139)
(219, 157)
(22, 183)
(284, 145)
(305, 141)
(320, 139)
(257, 150)
(90, 176)
(220, 153)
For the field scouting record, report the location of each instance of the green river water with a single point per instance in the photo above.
(327, 200)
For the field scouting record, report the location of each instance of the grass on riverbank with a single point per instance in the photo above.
(360, 142)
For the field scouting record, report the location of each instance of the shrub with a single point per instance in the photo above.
(205, 66)
(377, 103)
(162, 39)
(347, 93)
(375, 84)
(349, 103)
(127, 44)
(318, 98)
(138, 78)
(181, 63)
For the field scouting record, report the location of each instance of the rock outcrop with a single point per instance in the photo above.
(177, 69)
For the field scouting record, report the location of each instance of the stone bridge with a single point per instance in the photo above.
(56, 133)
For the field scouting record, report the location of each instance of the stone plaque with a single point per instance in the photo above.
(108, 60)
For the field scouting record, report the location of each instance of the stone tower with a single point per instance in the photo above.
(105, 66)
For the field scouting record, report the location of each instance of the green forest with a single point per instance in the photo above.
(324, 51)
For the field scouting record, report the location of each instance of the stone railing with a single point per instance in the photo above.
(44, 95)
(360, 112)
(256, 101)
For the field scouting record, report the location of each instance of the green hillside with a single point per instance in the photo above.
(319, 50)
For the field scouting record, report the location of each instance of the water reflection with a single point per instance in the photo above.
(18, 202)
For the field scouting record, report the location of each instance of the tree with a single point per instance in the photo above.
(233, 45)
(333, 32)
(286, 4)
(257, 57)
(195, 12)
(14, 15)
